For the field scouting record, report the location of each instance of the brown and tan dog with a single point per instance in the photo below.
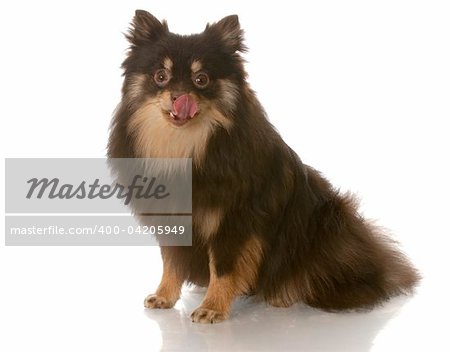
(263, 223)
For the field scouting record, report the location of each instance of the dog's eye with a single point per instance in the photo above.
(201, 80)
(161, 77)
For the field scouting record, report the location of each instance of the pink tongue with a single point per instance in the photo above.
(184, 107)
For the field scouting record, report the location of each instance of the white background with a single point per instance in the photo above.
(359, 89)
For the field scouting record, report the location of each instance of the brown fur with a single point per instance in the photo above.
(263, 222)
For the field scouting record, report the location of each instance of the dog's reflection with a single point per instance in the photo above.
(254, 326)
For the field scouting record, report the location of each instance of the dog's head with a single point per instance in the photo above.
(184, 80)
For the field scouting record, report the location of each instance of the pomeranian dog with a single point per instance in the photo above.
(263, 223)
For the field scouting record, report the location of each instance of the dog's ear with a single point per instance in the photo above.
(145, 28)
(230, 32)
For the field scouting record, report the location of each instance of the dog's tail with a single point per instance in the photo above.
(352, 264)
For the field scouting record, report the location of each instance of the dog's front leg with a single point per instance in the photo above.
(169, 289)
(224, 287)
(219, 297)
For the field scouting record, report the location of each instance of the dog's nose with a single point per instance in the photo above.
(176, 94)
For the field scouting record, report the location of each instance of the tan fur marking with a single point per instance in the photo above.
(218, 118)
(168, 64)
(168, 291)
(223, 289)
(156, 137)
(135, 86)
(196, 66)
(207, 221)
(220, 293)
(229, 93)
(171, 282)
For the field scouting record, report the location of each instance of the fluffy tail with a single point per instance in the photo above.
(353, 265)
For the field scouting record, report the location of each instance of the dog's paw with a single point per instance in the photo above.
(208, 316)
(155, 301)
